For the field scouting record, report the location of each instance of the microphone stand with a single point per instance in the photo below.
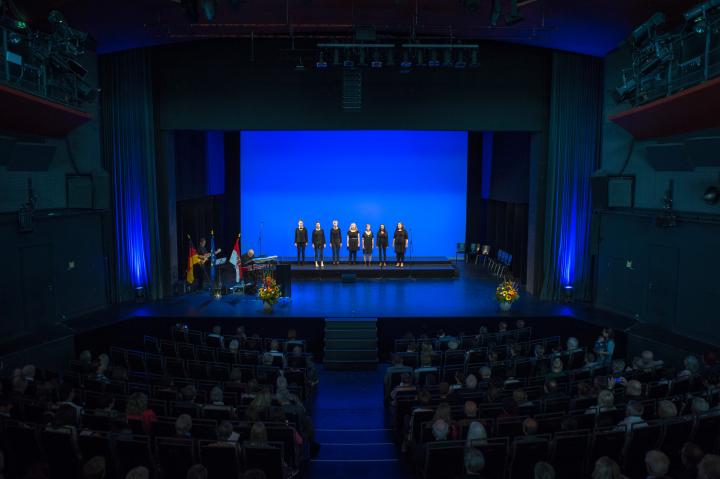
(410, 249)
(260, 235)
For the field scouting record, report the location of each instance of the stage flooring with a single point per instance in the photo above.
(421, 267)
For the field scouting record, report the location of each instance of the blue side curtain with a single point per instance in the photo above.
(129, 147)
(573, 145)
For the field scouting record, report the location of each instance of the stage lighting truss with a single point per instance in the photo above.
(411, 55)
(664, 61)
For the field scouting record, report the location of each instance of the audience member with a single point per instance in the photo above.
(666, 409)
(477, 435)
(633, 416)
(692, 368)
(406, 384)
(198, 471)
(690, 457)
(474, 463)
(709, 467)
(396, 367)
(605, 402)
(140, 472)
(530, 427)
(657, 464)
(226, 435)
(606, 468)
(543, 470)
(572, 344)
(94, 468)
(137, 410)
(183, 426)
(258, 435)
(633, 389)
(699, 406)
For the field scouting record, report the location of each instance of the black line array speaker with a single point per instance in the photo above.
(283, 277)
(30, 157)
(599, 192)
(703, 151)
(101, 190)
(668, 157)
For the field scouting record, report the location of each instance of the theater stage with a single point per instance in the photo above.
(418, 267)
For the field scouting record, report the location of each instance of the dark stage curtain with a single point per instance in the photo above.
(129, 147)
(572, 157)
(197, 217)
(507, 229)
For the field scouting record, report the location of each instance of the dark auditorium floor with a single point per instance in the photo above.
(350, 422)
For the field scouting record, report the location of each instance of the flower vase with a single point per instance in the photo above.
(505, 306)
(267, 307)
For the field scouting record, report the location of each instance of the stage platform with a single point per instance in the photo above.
(421, 267)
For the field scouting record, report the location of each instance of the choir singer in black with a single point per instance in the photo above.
(382, 244)
(335, 242)
(400, 244)
(368, 243)
(301, 241)
(353, 243)
(318, 242)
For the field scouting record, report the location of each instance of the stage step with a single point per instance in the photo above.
(369, 343)
(350, 344)
(349, 334)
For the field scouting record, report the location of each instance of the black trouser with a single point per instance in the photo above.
(399, 256)
(352, 256)
(335, 253)
(301, 252)
(319, 253)
(382, 251)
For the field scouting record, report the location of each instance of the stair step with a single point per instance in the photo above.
(350, 333)
(351, 365)
(351, 355)
(354, 323)
(369, 343)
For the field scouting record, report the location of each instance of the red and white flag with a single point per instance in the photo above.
(235, 260)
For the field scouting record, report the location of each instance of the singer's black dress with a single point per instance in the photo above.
(400, 238)
(367, 242)
(353, 245)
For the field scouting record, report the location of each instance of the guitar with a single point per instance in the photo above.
(202, 258)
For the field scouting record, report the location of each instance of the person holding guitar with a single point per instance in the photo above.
(204, 256)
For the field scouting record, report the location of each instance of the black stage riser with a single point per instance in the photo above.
(373, 272)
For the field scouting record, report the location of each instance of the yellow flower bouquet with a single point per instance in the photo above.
(270, 291)
(506, 292)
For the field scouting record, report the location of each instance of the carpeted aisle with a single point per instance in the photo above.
(350, 425)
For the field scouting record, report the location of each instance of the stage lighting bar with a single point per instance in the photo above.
(378, 55)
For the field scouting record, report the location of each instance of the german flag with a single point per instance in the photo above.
(193, 259)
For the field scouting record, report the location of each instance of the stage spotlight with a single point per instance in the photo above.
(15, 39)
(711, 196)
(207, 7)
(447, 58)
(699, 10)
(460, 63)
(421, 58)
(336, 57)
(376, 60)
(567, 293)
(406, 63)
(433, 62)
(321, 63)
(361, 58)
(474, 58)
(700, 26)
(390, 60)
(140, 294)
(648, 27)
(299, 66)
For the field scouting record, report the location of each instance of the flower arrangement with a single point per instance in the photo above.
(506, 292)
(270, 291)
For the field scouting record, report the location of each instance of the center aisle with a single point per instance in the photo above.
(351, 428)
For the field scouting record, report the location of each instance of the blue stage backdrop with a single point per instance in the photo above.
(417, 177)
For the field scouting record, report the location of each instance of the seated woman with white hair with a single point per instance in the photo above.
(477, 434)
(474, 463)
